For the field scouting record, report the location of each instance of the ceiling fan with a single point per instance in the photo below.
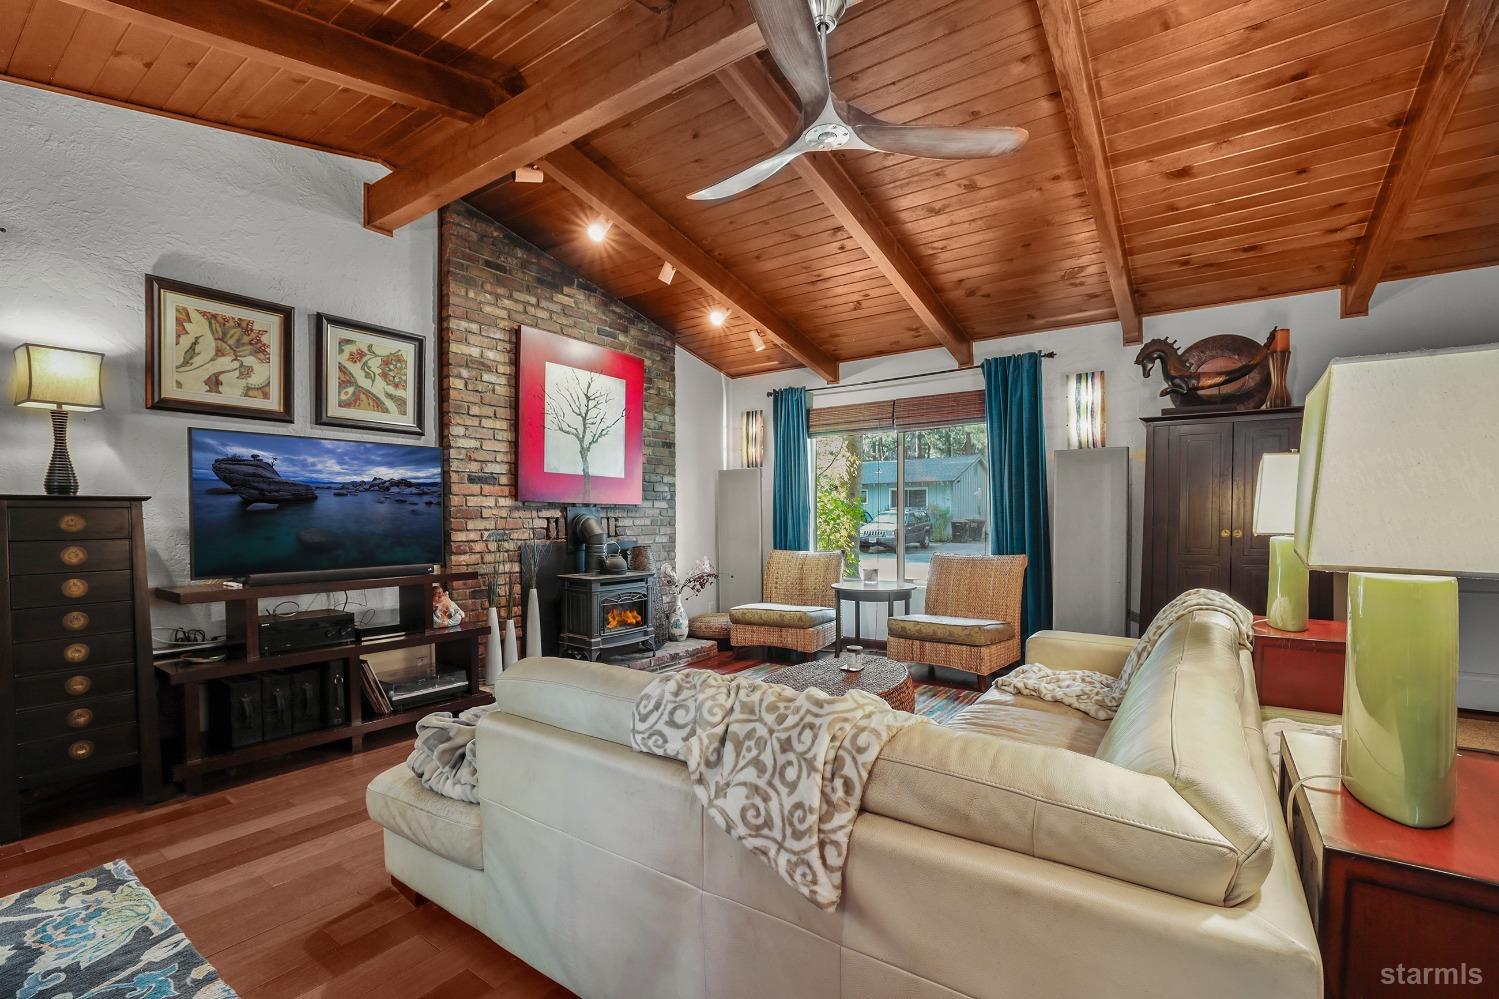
(796, 32)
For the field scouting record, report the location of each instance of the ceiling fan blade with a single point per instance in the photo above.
(751, 175)
(797, 48)
(938, 142)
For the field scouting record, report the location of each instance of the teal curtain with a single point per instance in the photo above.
(791, 498)
(1018, 519)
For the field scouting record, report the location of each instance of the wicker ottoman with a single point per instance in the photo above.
(713, 626)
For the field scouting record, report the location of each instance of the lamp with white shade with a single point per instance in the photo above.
(62, 380)
(1275, 515)
(1397, 484)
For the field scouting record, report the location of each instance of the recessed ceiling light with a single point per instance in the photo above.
(718, 315)
(598, 229)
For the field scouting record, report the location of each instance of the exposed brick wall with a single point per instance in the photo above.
(492, 281)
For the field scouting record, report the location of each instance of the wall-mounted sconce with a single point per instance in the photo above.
(1085, 409)
(752, 438)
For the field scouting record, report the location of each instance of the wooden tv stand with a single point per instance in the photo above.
(457, 646)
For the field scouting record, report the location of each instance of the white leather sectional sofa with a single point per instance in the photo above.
(1024, 851)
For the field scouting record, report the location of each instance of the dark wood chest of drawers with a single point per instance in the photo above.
(77, 693)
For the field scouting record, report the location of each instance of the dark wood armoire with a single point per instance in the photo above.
(1199, 506)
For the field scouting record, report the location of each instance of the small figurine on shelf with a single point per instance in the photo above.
(445, 611)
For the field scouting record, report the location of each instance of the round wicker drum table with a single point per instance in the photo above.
(885, 678)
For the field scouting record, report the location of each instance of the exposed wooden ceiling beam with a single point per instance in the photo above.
(281, 37)
(1461, 36)
(1063, 27)
(680, 45)
(601, 191)
(756, 90)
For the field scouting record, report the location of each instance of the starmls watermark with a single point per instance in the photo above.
(1403, 975)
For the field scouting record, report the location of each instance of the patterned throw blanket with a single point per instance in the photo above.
(1099, 694)
(444, 755)
(780, 771)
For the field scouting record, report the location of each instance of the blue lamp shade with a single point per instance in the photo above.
(58, 378)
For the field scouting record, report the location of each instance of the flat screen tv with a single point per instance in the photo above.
(266, 505)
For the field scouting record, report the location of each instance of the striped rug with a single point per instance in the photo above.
(933, 701)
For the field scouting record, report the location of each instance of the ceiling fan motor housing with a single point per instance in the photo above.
(825, 13)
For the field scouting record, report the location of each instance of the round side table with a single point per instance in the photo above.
(887, 592)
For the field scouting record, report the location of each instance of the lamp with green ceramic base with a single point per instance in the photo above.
(1398, 473)
(1275, 514)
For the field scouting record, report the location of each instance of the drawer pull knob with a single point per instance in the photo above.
(81, 750)
(73, 555)
(72, 523)
(77, 685)
(75, 588)
(80, 718)
(76, 653)
(75, 620)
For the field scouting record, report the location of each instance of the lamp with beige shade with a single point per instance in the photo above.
(1275, 515)
(1397, 482)
(62, 380)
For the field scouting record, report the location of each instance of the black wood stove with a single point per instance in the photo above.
(604, 611)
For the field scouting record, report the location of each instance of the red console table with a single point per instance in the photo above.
(1301, 669)
(1398, 911)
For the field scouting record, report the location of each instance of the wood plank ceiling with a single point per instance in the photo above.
(1236, 149)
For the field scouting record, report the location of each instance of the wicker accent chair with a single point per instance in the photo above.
(797, 610)
(972, 619)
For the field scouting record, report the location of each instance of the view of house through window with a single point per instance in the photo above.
(942, 501)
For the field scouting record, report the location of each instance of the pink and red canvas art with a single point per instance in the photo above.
(582, 418)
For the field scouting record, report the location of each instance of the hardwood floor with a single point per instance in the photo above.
(280, 882)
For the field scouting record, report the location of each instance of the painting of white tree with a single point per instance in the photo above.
(585, 424)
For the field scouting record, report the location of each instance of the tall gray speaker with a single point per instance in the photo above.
(740, 537)
(1090, 541)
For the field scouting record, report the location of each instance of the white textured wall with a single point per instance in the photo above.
(700, 454)
(1441, 311)
(94, 197)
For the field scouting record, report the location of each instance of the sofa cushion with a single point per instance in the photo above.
(1032, 720)
(397, 801)
(952, 630)
(1184, 720)
(781, 615)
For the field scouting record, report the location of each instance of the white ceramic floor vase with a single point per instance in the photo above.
(533, 624)
(493, 652)
(510, 655)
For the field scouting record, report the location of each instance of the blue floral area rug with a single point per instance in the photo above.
(98, 935)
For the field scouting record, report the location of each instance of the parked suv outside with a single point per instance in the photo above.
(880, 532)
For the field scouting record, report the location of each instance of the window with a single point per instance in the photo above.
(865, 510)
(914, 497)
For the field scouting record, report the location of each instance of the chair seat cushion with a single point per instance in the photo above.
(397, 801)
(781, 615)
(952, 630)
(1032, 720)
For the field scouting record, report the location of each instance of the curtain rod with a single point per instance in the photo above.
(903, 378)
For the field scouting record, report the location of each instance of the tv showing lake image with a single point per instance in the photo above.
(269, 503)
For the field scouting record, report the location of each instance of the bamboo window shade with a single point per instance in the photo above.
(906, 414)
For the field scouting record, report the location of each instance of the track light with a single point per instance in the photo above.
(599, 229)
(529, 175)
(667, 273)
(757, 341)
(718, 315)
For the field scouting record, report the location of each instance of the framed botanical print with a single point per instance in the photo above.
(212, 352)
(582, 418)
(369, 377)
